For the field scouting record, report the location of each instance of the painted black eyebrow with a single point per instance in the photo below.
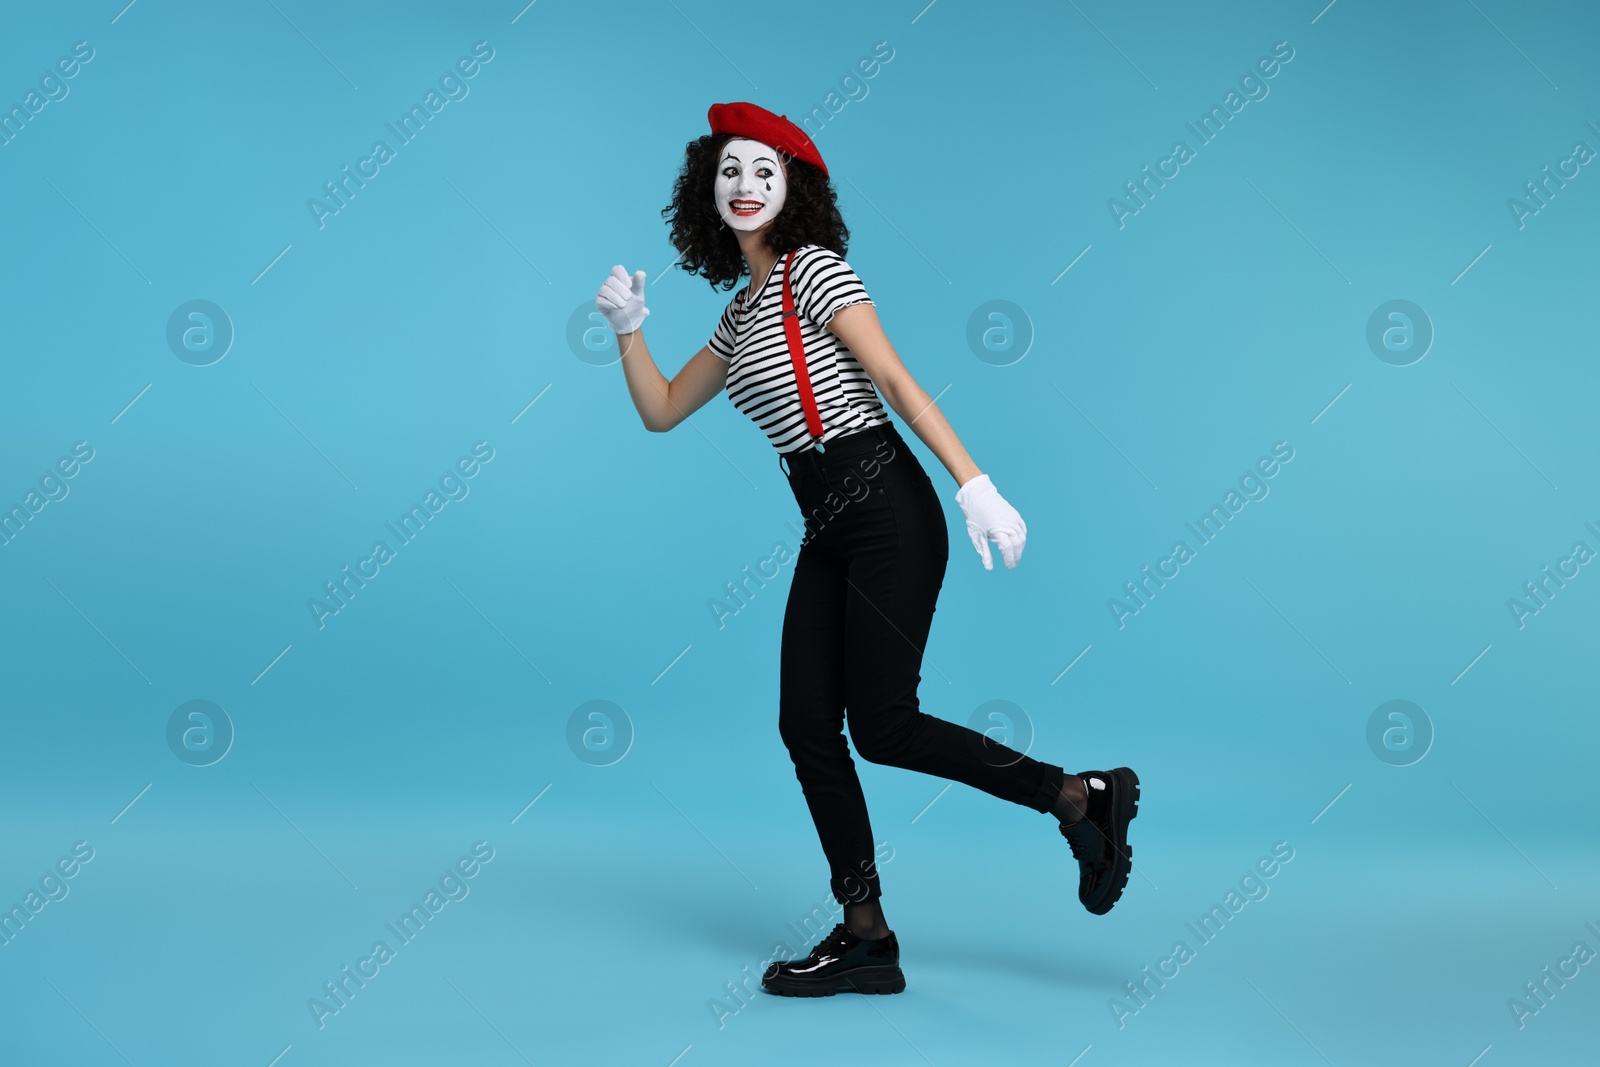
(758, 159)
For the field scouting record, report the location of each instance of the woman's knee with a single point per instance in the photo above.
(806, 728)
(883, 738)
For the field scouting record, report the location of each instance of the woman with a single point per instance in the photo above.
(754, 197)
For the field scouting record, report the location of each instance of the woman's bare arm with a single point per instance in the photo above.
(663, 404)
(858, 327)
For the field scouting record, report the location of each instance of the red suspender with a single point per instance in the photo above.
(797, 354)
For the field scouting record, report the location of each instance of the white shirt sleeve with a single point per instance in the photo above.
(823, 283)
(722, 337)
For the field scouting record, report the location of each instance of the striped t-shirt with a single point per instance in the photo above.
(761, 376)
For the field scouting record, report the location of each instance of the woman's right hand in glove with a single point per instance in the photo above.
(621, 300)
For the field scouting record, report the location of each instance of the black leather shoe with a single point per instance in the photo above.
(840, 963)
(1099, 840)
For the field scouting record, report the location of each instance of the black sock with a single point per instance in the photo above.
(1072, 803)
(866, 918)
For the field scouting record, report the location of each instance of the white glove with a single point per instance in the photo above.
(621, 300)
(990, 518)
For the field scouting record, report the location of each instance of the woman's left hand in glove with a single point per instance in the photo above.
(990, 518)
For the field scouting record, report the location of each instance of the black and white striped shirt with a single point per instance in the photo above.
(761, 377)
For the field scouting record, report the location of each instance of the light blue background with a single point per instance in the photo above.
(428, 313)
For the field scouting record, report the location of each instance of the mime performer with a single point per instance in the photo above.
(800, 351)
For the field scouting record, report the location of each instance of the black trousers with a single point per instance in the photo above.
(862, 600)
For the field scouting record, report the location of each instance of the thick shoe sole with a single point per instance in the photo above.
(859, 980)
(1125, 807)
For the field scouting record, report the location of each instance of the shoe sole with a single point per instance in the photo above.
(1125, 808)
(859, 980)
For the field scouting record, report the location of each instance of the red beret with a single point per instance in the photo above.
(759, 124)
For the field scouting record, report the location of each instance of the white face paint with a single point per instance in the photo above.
(750, 186)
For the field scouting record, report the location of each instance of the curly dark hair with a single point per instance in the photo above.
(810, 214)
